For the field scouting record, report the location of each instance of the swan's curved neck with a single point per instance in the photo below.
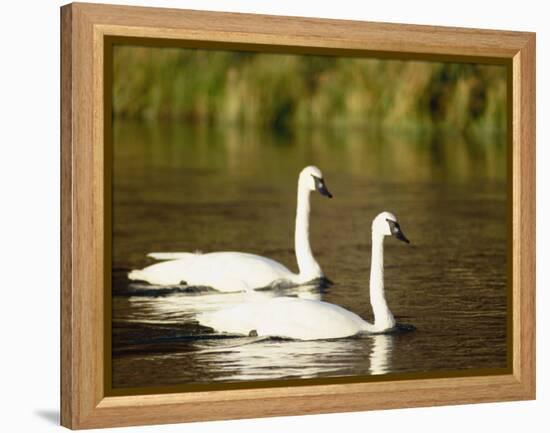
(383, 318)
(308, 267)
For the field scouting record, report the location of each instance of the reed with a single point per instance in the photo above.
(286, 91)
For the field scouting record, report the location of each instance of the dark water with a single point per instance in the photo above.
(183, 189)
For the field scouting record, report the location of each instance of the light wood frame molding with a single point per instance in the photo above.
(84, 27)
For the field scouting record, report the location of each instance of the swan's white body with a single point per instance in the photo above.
(234, 271)
(225, 271)
(296, 318)
(304, 319)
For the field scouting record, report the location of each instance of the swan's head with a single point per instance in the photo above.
(386, 224)
(312, 178)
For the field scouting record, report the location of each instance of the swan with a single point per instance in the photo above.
(304, 319)
(234, 271)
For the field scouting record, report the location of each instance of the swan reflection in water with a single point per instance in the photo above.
(382, 345)
(269, 358)
(178, 307)
(259, 358)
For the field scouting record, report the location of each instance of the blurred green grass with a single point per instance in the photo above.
(283, 91)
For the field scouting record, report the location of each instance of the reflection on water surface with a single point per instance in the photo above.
(182, 189)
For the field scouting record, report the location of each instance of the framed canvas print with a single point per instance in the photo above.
(267, 216)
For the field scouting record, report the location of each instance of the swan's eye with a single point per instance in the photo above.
(395, 230)
(394, 226)
(320, 186)
(319, 183)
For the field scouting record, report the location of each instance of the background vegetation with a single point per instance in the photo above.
(284, 91)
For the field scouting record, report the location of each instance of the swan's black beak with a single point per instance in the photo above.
(321, 187)
(399, 235)
(396, 231)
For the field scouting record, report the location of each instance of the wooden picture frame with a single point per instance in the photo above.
(85, 192)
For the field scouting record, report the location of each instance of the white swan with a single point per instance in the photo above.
(303, 319)
(233, 271)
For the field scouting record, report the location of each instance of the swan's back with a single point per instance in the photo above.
(295, 318)
(225, 271)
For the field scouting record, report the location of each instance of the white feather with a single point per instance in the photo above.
(235, 271)
(304, 319)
